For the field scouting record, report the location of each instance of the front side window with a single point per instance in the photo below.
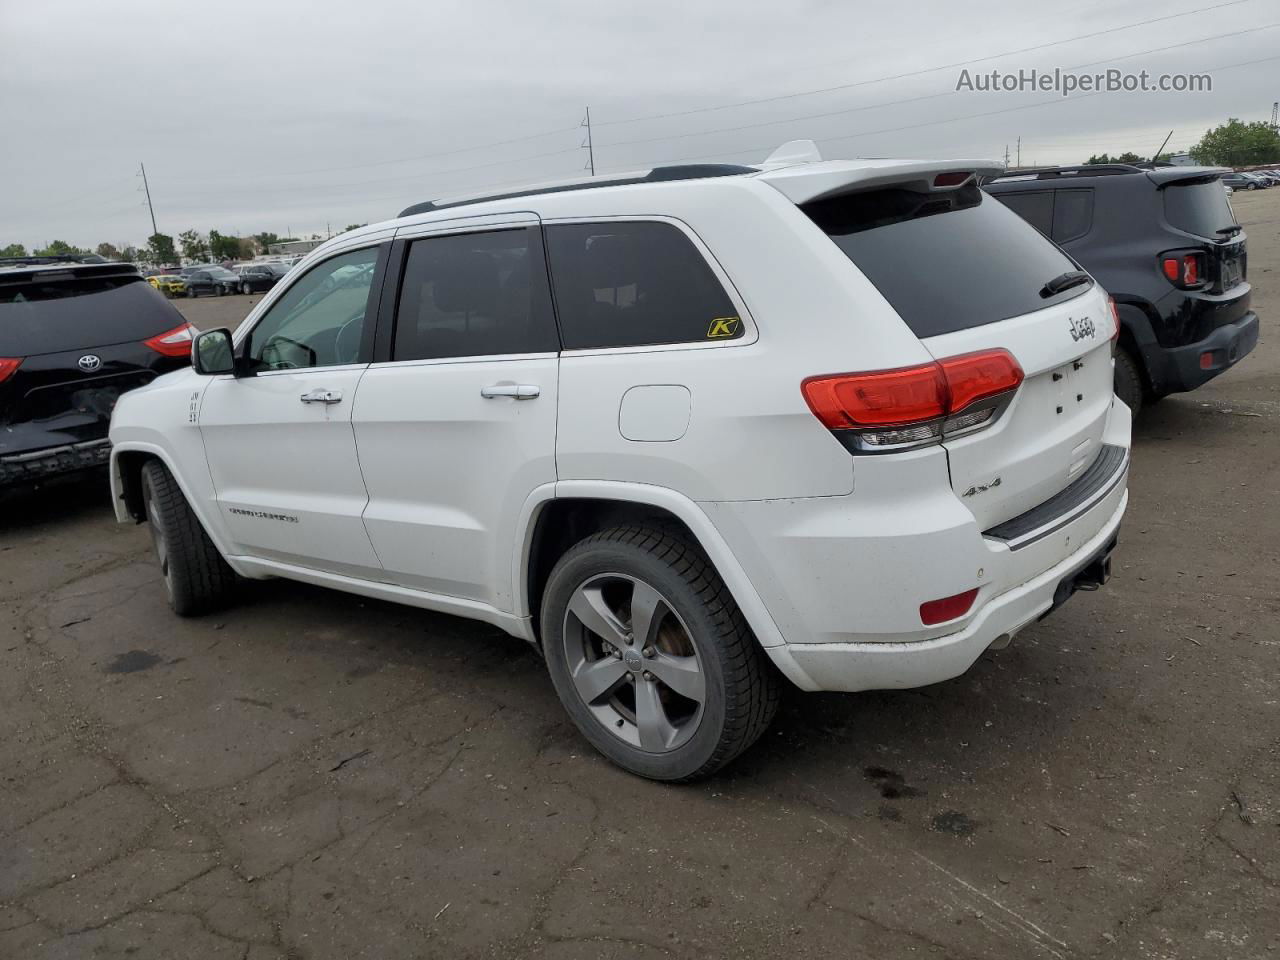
(635, 283)
(320, 321)
(474, 294)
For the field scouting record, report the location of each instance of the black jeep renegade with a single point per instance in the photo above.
(1165, 244)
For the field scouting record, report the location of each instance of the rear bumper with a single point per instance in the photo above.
(1182, 368)
(888, 666)
(843, 578)
(41, 464)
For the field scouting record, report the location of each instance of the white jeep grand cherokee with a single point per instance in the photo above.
(688, 432)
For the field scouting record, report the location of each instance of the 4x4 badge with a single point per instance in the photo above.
(1080, 329)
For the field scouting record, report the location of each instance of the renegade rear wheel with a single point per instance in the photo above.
(196, 577)
(1129, 385)
(651, 657)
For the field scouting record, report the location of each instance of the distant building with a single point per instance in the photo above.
(1181, 160)
(293, 248)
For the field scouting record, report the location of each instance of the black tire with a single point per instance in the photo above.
(196, 577)
(740, 686)
(246, 289)
(1130, 386)
(191, 293)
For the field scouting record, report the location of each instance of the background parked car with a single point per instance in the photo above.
(1165, 244)
(255, 277)
(170, 284)
(74, 336)
(215, 281)
(1243, 181)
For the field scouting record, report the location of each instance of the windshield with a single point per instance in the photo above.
(945, 261)
(1199, 207)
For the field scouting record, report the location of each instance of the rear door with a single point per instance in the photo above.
(967, 274)
(1198, 207)
(456, 422)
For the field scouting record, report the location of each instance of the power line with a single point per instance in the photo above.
(942, 120)
(914, 73)
(929, 96)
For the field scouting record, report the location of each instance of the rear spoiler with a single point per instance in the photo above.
(1168, 176)
(56, 270)
(806, 182)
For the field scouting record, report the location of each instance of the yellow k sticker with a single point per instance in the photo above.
(722, 327)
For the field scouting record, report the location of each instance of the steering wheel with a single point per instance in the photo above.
(337, 340)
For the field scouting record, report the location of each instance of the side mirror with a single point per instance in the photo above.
(212, 353)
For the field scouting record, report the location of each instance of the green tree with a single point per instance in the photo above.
(265, 240)
(58, 248)
(224, 247)
(108, 251)
(160, 249)
(353, 226)
(129, 254)
(1099, 158)
(1238, 144)
(193, 245)
(1129, 157)
(13, 250)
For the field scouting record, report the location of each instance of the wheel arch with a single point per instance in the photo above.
(556, 519)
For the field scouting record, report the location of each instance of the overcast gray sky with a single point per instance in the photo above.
(294, 115)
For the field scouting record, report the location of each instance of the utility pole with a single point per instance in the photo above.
(1275, 114)
(1006, 156)
(147, 188)
(591, 154)
(1019, 153)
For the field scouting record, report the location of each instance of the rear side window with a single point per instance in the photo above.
(635, 283)
(944, 261)
(50, 315)
(474, 294)
(1072, 214)
(1199, 207)
(1036, 208)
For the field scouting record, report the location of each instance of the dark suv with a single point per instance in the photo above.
(213, 280)
(1165, 244)
(73, 337)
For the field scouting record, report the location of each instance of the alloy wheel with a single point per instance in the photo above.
(633, 663)
(161, 543)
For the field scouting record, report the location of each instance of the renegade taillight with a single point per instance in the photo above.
(9, 366)
(175, 342)
(1115, 319)
(912, 406)
(948, 608)
(1183, 269)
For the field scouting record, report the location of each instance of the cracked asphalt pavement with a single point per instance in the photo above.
(314, 775)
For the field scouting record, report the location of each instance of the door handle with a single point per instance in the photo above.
(520, 391)
(322, 396)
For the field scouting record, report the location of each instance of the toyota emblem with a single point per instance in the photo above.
(89, 362)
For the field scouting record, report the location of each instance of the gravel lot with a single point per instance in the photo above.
(313, 775)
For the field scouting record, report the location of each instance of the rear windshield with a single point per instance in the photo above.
(1200, 207)
(945, 261)
(51, 316)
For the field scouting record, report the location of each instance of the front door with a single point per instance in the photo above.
(279, 442)
(455, 426)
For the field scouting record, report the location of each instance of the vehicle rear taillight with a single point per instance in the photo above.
(1184, 269)
(948, 608)
(952, 179)
(175, 342)
(887, 410)
(1115, 319)
(8, 367)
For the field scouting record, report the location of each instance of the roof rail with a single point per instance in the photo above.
(1081, 170)
(688, 171)
(37, 260)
